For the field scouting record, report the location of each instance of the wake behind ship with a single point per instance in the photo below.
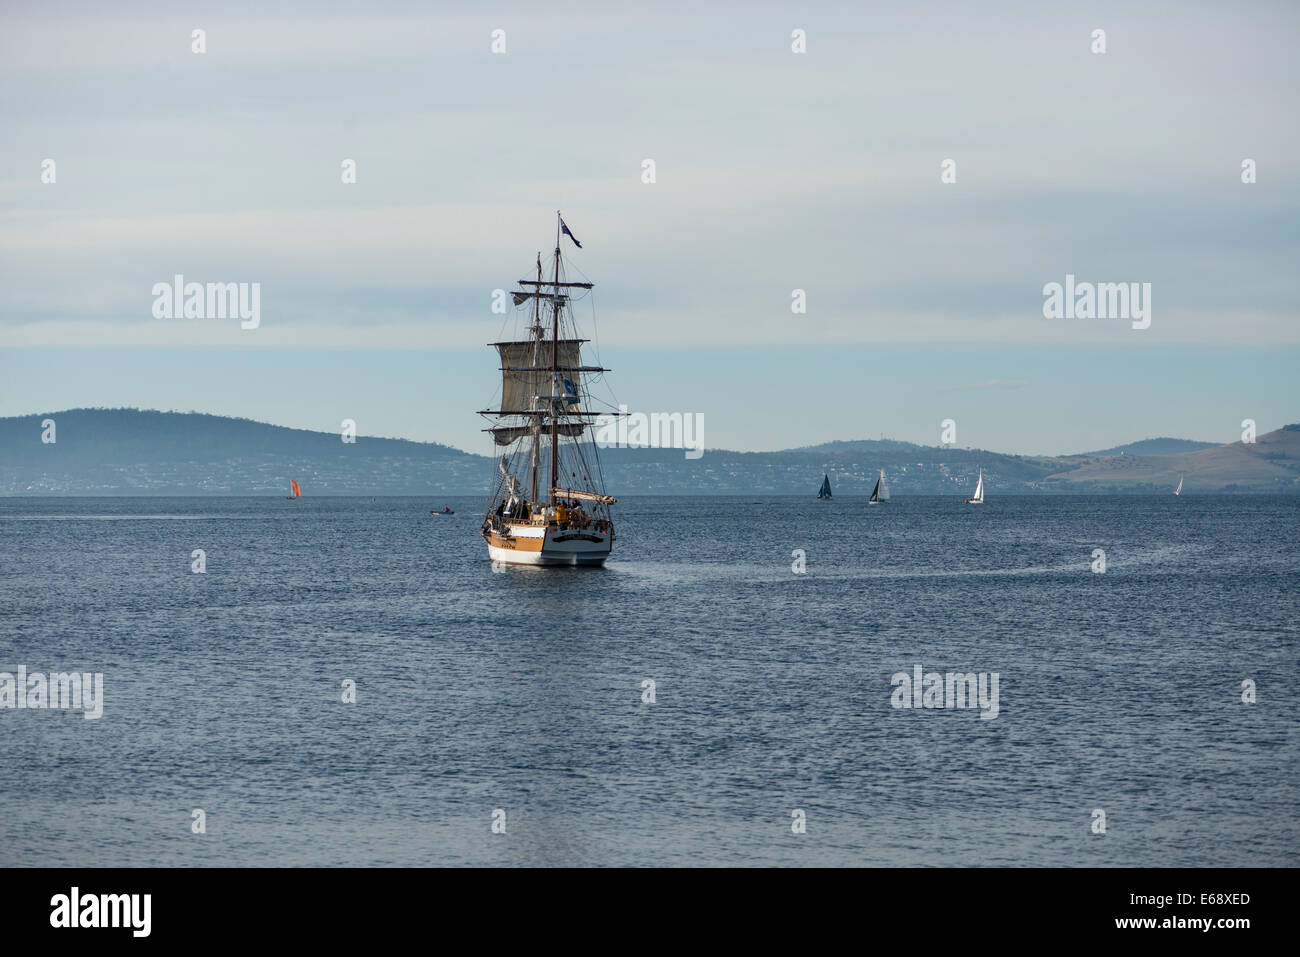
(548, 505)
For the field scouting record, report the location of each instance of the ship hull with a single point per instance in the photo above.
(534, 545)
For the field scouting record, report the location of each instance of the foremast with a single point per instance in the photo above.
(555, 362)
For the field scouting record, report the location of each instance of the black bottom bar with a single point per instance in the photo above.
(920, 908)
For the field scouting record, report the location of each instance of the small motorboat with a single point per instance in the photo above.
(445, 511)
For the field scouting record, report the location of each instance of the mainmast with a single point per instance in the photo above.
(555, 364)
(536, 333)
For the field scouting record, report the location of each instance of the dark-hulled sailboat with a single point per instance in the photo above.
(548, 503)
(880, 493)
(825, 490)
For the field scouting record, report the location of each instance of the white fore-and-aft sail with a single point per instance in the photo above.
(881, 492)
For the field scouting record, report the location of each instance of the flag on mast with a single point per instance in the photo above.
(568, 232)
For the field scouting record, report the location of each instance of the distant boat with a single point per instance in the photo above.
(881, 492)
(825, 490)
(295, 489)
(445, 511)
(978, 497)
(1179, 490)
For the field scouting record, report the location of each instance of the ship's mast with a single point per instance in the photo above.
(536, 423)
(555, 365)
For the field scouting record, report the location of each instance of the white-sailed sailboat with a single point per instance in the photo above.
(881, 492)
(978, 497)
(1179, 490)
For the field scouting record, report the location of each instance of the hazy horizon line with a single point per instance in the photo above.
(797, 448)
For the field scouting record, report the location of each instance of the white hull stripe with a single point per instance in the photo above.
(512, 556)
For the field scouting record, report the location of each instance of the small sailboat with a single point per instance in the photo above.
(881, 492)
(1179, 490)
(978, 497)
(295, 490)
(825, 490)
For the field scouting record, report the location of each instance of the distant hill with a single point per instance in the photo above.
(1156, 447)
(855, 447)
(852, 467)
(132, 452)
(1271, 463)
(128, 451)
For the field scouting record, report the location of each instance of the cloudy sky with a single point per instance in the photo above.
(775, 171)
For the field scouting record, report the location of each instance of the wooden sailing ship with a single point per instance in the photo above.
(548, 504)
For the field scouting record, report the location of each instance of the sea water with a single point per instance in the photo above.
(351, 682)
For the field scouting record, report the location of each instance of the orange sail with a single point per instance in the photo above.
(296, 490)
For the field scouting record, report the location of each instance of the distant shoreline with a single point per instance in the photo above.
(129, 452)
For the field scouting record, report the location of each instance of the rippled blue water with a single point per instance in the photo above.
(522, 689)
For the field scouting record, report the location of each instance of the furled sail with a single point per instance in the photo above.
(506, 435)
(584, 496)
(526, 374)
(521, 297)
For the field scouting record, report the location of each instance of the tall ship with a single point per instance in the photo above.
(548, 504)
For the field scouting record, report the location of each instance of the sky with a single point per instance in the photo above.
(775, 171)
